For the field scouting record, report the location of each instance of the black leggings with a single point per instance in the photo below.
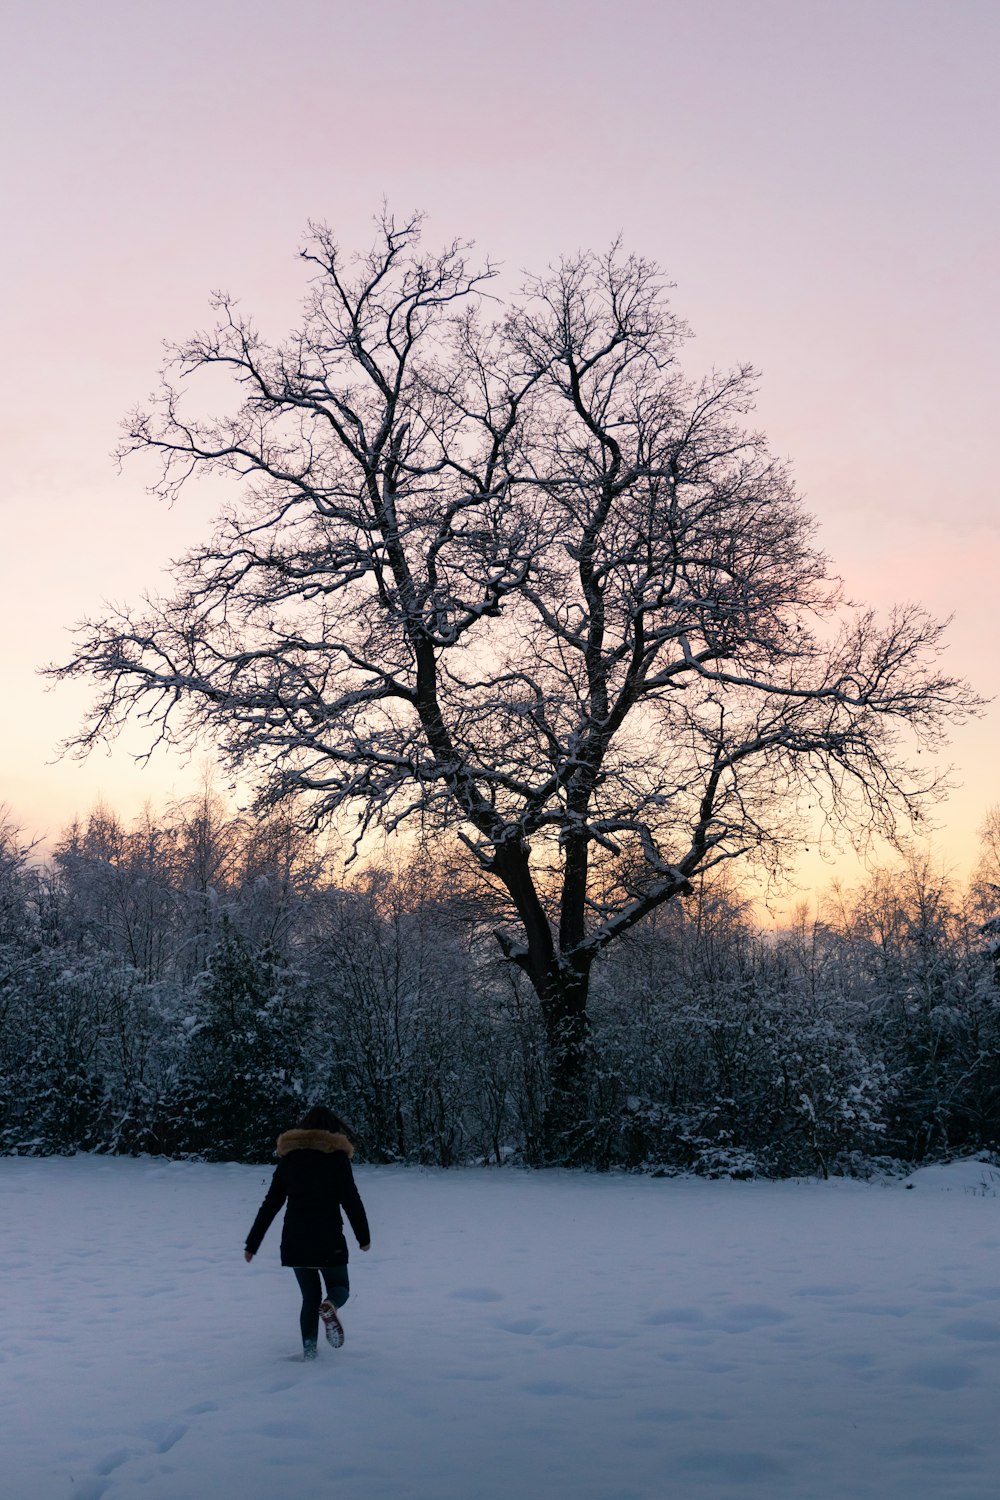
(338, 1289)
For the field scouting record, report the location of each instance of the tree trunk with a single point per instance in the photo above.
(563, 996)
(561, 986)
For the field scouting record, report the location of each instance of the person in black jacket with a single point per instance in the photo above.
(314, 1176)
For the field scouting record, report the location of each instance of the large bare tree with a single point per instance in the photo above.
(505, 571)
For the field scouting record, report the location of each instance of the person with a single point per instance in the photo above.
(314, 1176)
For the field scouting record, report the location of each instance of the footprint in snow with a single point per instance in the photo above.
(518, 1325)
(91, 1489)
(931, 1447)
(822, 1289)
(734, 1468)
(976, 1330)
(112, 1461)
(685, 1315)
(858, 1361)
(745, 1317)
(740, 1318)
(661, 1414)
(164, 1435)
(940, 1375)
(588, 1340)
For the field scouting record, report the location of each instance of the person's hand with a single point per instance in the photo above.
(366, 1247)
(247, 1256)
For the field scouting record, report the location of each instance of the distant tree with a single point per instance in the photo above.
(114, 887)
(14, 883)
(242, 1070)
(985, 888)
(510, 574)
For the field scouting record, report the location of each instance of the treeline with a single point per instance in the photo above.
(187, 985)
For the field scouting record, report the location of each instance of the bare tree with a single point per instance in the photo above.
(510, 574)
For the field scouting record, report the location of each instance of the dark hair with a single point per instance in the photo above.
(321, 1118)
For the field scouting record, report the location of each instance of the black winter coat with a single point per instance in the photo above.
(314, 1176)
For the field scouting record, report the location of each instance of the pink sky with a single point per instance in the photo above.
(818, 178)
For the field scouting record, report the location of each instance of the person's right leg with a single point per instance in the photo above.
(338, 1286)
(309, 1286)
(337, 1292)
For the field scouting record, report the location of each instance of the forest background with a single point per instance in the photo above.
(185, 984)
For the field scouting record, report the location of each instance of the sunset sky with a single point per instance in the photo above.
(819, 179)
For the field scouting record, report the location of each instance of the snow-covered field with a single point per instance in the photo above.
(511, 1336)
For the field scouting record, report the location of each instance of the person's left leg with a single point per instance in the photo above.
(309, 1286)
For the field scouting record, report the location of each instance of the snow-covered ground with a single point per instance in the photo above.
(511, 1336)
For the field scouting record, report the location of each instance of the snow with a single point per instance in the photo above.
(545, 1336)
(969, 1176)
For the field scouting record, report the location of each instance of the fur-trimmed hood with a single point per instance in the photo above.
(313, 1140)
